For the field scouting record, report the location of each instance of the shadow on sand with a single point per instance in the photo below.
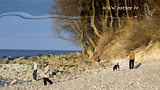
(138, 65)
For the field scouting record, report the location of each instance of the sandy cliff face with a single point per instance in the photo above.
(141, 36)
(152, 51)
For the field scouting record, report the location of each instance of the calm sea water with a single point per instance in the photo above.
(19, 53)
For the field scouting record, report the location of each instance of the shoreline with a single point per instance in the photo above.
(61, 67)
(16, 53)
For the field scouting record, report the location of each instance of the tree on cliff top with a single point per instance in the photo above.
(87, 22)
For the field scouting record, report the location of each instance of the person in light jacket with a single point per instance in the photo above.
(46, 74)
(35, 71)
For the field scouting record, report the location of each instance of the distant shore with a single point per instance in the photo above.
(16, 53)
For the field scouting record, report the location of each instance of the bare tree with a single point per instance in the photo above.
(93, 21)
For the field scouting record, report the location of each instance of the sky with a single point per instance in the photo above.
(19, 33)
(33, 7)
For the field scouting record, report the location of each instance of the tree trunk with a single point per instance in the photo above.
(93, 19)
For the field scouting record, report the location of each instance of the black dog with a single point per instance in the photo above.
(116, 67)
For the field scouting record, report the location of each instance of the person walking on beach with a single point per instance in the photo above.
(46, 74)
(35, 71)
(131, 59)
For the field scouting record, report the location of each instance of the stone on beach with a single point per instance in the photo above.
(146, 77)
(72, 72)
(13, 82)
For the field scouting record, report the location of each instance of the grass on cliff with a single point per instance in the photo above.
(133, 35)
(143, 32)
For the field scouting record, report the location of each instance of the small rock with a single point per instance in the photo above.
(61, 69)
(78, 54)
(13, 82)
(58, 74)
(95, 63)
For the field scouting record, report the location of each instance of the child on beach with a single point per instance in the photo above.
(46, 74)
(35, 71)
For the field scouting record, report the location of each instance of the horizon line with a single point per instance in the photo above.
(39, 49)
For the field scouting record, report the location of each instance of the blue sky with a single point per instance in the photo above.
(33, 7)
(19, 33)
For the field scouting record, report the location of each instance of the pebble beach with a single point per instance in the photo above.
(145, 76)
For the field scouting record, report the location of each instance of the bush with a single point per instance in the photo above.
(142, 33)
(105, 40)
(133, 35)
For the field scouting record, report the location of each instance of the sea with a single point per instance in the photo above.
(13, 53)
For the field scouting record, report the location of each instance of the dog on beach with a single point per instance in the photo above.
(116, 67)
